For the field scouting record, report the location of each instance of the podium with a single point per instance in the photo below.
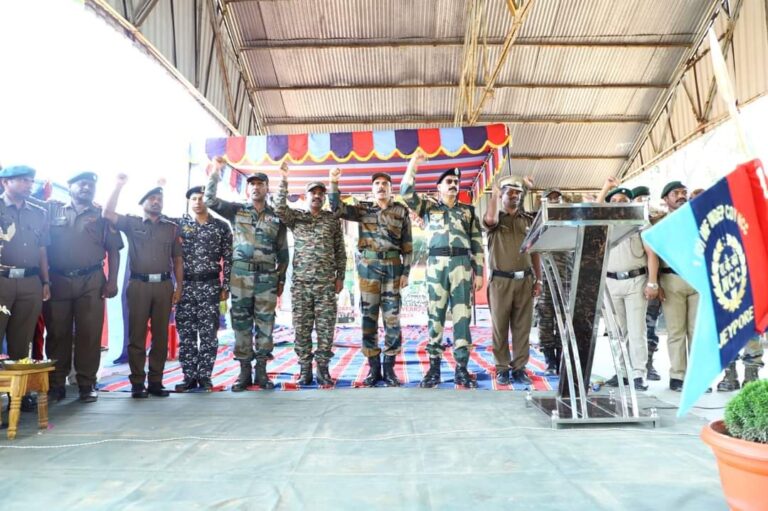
(589, 230)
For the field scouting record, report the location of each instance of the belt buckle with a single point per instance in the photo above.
(622, 274)
(519, 275)
(16, 273)
(155, 277)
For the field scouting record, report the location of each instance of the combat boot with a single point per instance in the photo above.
(260, 375)
(305, 376)
(751, 374)
(244, 380)
(461, 377)
(389, 377)
(323, 376)
(550, 357)
(432, 378)
(730, 381)
(374, 372)
(652, 373)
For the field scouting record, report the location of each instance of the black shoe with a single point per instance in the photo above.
(639, 385)
(730, 381)
(374, 372)
(305, 376)
(389, 376)
(552, 360)
(502, 377)
(751, 373)
(675, 385)
(138, 391)
(520, 376)
(261, 378)
(651, 373)
(57, 393)
(614, 381)
(205, 384)
(87, 394)
(432, 378)
(244, 380)
(187, 385)
(324, 376)
(461, 377)
(157, 390)
(29, 403)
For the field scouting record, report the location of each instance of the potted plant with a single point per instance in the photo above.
(740, 444)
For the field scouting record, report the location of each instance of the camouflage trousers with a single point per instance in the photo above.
(314, 306)
(197, 317)
(380, 289)
(254, 297)
(549, 332)
(753, 353)
(652, 314)
(449, 280)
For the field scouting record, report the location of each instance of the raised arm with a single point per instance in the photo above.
(609, 185)
(408, 184)
(282, 210)
(109, 209)
(338, 208)
(491, 217)
(224, 208)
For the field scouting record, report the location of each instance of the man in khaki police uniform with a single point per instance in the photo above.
(515, 280)
(153, 242)
(74, 316)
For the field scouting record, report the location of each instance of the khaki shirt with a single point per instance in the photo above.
(23, 231)
(79, 240)
(151, 245)
(628, 255)
(504, 241)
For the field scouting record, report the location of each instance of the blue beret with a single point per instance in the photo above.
(153, 191)
(17, 171)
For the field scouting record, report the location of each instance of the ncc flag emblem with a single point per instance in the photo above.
(718, 244)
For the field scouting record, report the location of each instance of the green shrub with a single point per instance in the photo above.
(746, 416)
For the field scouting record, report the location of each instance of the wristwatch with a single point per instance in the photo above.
(540, 282)
(652, 285)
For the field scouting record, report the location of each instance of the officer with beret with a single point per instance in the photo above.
(259, 263)
(631, 280)
(74, 316)
(385, 245)
(154, 249)
(454, 267)
(515, 279)
(207, 246)
(319, 265)
(24, 282)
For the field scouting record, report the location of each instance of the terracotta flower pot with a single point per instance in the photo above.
(743, 468)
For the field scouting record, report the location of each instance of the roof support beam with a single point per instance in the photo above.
(140, 15)
(222, 63)
(423, 121)
(725, 48)
(300, 88)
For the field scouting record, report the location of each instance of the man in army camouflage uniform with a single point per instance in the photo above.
(319, 263)
(384, 237)
(455, 256)
(259, 262)
(207, 246)
(550, 341)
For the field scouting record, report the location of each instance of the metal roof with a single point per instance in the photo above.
(588, 88)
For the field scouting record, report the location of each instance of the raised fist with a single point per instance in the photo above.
(334, 174)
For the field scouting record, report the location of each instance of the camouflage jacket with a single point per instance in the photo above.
(380, 230)
(258, 237)
(318, 251)
(454, 227)
(207, 247)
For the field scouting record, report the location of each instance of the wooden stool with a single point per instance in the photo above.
(18, 382)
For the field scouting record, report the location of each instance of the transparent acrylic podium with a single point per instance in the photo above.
(589, 230)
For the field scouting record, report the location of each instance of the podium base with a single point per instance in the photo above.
(600, 410)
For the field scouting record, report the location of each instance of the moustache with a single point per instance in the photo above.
(453, 189)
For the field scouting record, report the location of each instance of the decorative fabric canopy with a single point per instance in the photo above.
(359, 154)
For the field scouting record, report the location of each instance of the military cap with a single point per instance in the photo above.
(640, 191)
(672, 185)
(377, 175)
(258, 176)
(622, 190)
(548, 191)
(153, 191)
(17, 171)
(90, 176)
(450, 172)
(195, 189)
(512, 182)
(315, 184)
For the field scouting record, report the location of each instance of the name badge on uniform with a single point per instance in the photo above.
(155, 277)
(16, 273)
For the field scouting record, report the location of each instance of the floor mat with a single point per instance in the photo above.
(349, 366)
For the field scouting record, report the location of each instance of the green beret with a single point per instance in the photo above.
(622, 190)
(640, 191)
(672, 185)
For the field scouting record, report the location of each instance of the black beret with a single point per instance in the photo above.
(195, 189)
(381, 174)
(672, 185)
(90, 176)
(450, 172)
(622, 190)
(153, 191)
